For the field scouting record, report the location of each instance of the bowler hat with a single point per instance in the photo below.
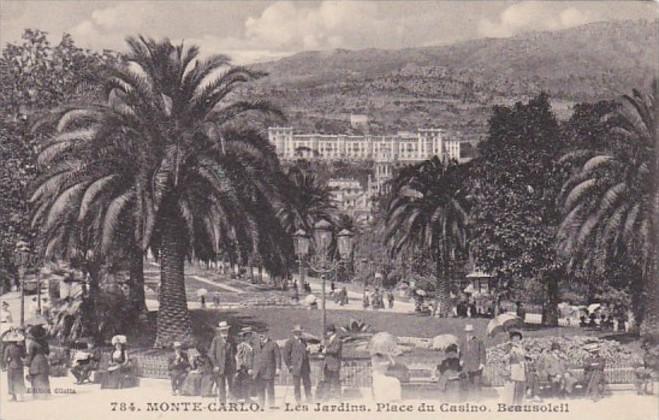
(297, 328)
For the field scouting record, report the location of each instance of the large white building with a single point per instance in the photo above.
(403, 147)
(386, 152)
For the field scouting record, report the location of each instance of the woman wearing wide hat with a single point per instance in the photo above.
(118, 366)
(12, 357)
(37, 361)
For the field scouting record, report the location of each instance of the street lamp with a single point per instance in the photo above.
(301, 244)
(321, 261)
(22, 257)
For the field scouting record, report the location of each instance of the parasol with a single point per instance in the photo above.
(310, 338)
(119, 339)
(443, 341)
(202, 292)
(310, 300)
(383, 343)
(593, 307)
(503, 322)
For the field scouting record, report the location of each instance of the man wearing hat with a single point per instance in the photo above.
(296, 357)
(267, 362)
(222, 353)
(473, 361)
(178, 367)
(332, 353)
(244, 364)
(86, 362)
(594, 371)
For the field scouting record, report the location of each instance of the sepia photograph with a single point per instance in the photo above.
(316, 209)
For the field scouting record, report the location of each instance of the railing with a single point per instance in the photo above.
(356, 372)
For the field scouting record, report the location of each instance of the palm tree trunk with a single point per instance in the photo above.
(173, 316)
(136, 291)
(443, 291)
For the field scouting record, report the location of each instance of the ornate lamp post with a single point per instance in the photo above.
(321, 261)
(22, 258)
(301, 244)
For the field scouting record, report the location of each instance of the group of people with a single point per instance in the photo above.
(376, 299)
(460, 372)
(526, 374)
(340, 296)
(29, 349)
(618, 318)
(247, 365)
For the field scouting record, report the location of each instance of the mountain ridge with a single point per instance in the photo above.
(458, 83)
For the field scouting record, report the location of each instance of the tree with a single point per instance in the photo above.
(306, 202)
(516, 181)
(610, 203)
(34, 76)
(430, 210)
(170, 155)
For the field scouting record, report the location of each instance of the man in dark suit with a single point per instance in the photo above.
(178, 366)
(332, 352)
(267, 361)
(296, 357)
(222, 353)
(473, 361)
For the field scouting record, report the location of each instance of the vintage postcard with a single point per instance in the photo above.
(320, 209)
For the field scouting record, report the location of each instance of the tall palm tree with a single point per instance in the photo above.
(429, 211)
(610, 203)
(306, 202)
(169, 155)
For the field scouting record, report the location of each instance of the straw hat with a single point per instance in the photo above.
(592, 347)
(177, 344)
(297, 328)
(13, 336)
(118, 339)
(469, 328)
(223, 326)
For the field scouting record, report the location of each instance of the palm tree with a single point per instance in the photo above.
(167, 154)
(429, 210)
(307, 201)
(610, 202)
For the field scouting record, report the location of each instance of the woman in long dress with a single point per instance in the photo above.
(517, 368)
(37, 361)
(450, 374)
(385, 388)
(13, 355)
(199, 381)
(118, 365)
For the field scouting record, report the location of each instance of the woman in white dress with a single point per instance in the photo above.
(385, 388)
(383, 348)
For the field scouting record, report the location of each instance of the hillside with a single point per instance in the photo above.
(455, 86)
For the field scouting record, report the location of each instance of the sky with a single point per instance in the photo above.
(255, 30)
